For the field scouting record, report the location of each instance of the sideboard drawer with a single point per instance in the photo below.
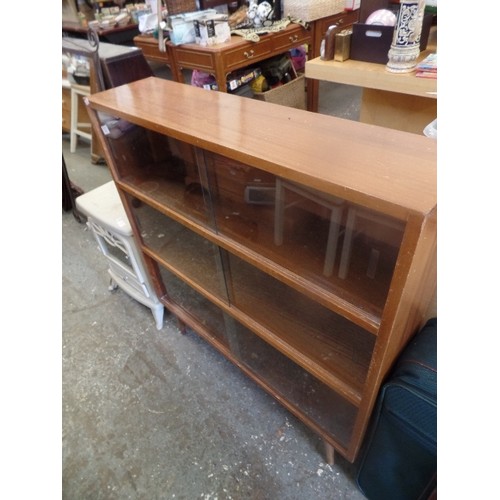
(248, 54)
(298, 36)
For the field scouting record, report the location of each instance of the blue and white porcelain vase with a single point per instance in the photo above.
(405, 47)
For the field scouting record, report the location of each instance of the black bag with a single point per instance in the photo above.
(399, 456)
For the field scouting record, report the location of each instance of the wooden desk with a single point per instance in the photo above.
(401, 102)
(222, 59)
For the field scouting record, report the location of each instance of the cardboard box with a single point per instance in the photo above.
(212, 30)
(181, 26)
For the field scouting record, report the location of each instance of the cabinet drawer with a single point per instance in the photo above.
(199, 59)
(152, 52)
(291, 38)
(344, 19)
(247, 54)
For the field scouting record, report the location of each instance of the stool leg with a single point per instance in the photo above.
(74, 121)
(279, 212)
(113, 285)
(345, 258)
(158, 315)
(333, 238)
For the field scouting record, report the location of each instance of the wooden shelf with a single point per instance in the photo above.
(372, 76)
(309, 267)
(397, 101)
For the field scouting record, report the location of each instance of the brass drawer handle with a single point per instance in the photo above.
(250, 54)
(293, 38)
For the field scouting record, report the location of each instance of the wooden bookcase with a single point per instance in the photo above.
(300, 245)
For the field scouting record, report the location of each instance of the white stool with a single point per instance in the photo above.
(76, 126)
(110, 225)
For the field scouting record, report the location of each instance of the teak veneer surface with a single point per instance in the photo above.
(386, 170)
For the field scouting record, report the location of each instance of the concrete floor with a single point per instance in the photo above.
(150, 414)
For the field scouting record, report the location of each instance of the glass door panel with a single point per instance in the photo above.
(193, 257)
(326, 339)
(316, 236)
(161, 168)
(204, 312)
(292, 383)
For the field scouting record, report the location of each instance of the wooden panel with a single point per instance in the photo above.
(397, 111)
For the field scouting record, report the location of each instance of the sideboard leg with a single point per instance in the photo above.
(329, 453)
(181, 325)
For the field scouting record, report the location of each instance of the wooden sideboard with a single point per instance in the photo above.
(309, 263)
(223, 58)
(238, 53)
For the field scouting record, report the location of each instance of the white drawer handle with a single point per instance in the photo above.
(250, 54)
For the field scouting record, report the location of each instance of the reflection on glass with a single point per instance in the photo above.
(161, 167)
(315, 235)
(193, 256)
(328, 339)
(319, 403)
(198, 307)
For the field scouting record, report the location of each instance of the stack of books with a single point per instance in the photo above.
(427, 68)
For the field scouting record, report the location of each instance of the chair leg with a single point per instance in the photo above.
(345, 257)
(279, 212)
(333, 238)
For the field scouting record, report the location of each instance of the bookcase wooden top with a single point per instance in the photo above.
(387, 170)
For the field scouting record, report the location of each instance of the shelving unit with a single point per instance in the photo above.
(198, 171)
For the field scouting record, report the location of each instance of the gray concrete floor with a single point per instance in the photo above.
(150, 414)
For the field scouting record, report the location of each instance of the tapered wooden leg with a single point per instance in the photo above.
(329, 453)
(181, 325)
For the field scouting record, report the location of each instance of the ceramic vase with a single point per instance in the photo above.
(405, 47)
